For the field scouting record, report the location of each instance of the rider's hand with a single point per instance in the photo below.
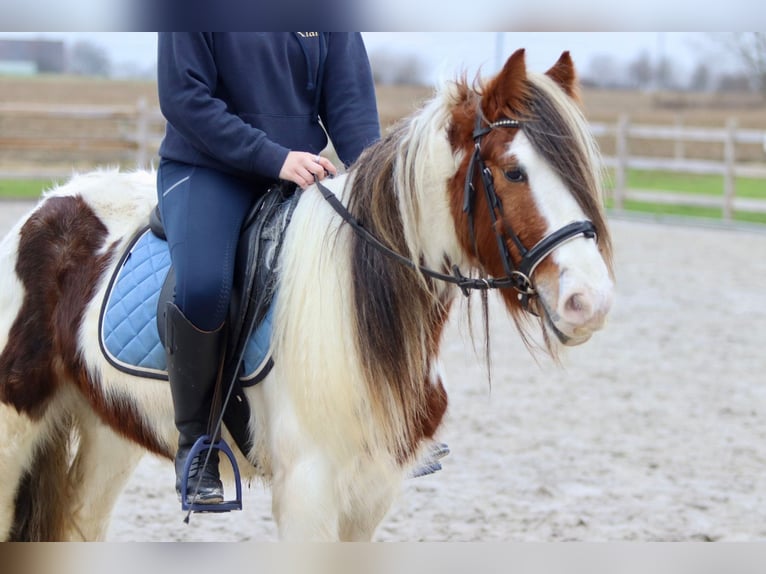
(301, 167)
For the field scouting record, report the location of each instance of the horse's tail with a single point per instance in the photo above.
(42, 505)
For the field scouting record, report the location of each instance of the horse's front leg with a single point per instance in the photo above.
(317, 498)
(361, 519)
(304, 497)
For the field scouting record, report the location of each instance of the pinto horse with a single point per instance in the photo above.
(493, 185)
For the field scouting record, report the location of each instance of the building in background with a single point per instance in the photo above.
(29, 57)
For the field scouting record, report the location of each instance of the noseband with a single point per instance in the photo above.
(519, 278)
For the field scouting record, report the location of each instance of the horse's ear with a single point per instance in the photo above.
(563, 73)
(508, 89)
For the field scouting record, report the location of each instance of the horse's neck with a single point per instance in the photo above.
(424, 200)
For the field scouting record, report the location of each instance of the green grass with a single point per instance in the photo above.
(688, 211)
(709, 185)
(693, 183)
(23, 188)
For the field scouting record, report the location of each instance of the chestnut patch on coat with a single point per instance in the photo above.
(58, 268)
(61, 260)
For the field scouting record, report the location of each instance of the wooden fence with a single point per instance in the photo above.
(137, 139)
(727, 166)
(128, 135)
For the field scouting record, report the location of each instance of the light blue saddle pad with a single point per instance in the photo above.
(128, 330)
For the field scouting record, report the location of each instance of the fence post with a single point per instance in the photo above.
(142, 133)
(729, 186)
(621, 167)
(679, 145)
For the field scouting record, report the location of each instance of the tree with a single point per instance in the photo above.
(397, 69)
(750, 49)
(733, 82)
(640, 71)
(666, 74)
(701, 79)
(88, 59)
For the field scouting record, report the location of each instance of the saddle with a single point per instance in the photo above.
(255, 277)
(132, 330)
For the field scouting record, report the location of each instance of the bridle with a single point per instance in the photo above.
(518, 278)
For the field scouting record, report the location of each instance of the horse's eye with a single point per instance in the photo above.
(515, 175)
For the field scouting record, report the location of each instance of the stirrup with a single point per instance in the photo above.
(203, 443)
(430, 463)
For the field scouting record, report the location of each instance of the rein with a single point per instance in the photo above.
(516, 278)
(457, 278)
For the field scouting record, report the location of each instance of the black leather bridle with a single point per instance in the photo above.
(518, 278)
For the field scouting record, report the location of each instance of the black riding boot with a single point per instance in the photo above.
(194, 358)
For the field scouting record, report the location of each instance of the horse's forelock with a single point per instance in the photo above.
(558, 130)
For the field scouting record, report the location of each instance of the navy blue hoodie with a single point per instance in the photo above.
(240, 101)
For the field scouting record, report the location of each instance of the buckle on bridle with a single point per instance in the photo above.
(522, 284)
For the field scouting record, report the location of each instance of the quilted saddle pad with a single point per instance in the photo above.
(129, 336)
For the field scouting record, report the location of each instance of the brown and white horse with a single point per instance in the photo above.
(356, 390)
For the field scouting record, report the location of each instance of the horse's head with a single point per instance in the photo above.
(527, 197)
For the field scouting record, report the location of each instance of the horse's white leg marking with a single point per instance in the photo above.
(19, 435)
(314, 500)
(304, 485)
(304, 501)
(103, 464)
(358, 524)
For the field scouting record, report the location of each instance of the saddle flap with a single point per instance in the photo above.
(255, 276)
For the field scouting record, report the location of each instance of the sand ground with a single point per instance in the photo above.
(655, 430)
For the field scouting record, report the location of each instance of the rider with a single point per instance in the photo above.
(243, 112)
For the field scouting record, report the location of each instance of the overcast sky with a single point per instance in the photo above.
(446, 54)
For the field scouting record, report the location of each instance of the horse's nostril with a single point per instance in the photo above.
(585, 309)
(577, 305)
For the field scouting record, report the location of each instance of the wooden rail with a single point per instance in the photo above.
(728, 167)
(140, 132)
(139, 135)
